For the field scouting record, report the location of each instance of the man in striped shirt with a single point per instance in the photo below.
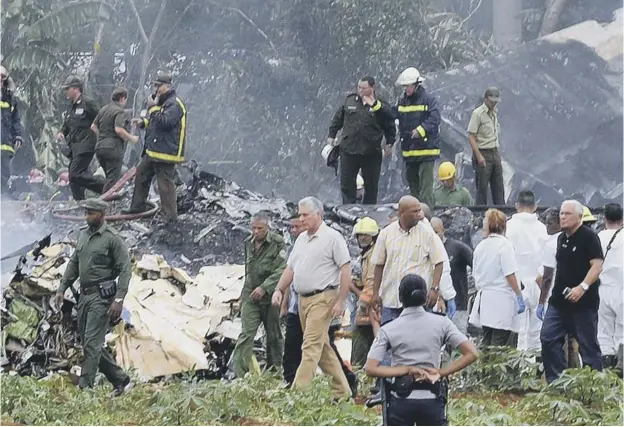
(403, 247)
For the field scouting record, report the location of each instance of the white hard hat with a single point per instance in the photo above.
(359, 181)
(326, 151)
(409, 76)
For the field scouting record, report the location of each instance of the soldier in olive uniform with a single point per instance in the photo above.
(101, 256)
(111, 126)
(265, 259)
(363, 125)
(77, 132)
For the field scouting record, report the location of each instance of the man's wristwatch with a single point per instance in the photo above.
(118, 299)
(585, 286)
(435, 289)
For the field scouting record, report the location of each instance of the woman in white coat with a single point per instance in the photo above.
(499, 300)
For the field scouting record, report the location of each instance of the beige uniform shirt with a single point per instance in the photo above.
(484, 124)
(316, 260)
(402, 252)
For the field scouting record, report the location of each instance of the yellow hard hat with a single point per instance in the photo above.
(366, 225)
(446, 171)
(587, 215)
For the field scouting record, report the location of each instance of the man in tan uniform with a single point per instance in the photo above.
(483, 133)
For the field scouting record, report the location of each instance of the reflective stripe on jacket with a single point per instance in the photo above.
(165, 133)
(11, 130)
(419, 112)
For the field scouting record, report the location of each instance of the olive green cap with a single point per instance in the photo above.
(96, 205)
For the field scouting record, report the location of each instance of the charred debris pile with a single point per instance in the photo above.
(181, 312)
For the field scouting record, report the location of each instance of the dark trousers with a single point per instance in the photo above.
(81, 178)
(499, 337)
(292, 350)
(583, 325)
(112, 164)
(420, 412)
(165, 174)
(419, 176)
(350, 165)
(361, 340)
(293, 340)
(92, 325)
(5, 171)
(492, 174)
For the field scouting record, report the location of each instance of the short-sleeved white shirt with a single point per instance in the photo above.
(549, 258)
(316, 260)
(612, 268)
(494, 260)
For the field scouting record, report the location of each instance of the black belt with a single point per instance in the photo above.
(88, 290)
(311, 294)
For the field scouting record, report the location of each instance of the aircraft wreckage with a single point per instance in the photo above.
(181, 312)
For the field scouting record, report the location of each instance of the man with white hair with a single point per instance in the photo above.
(573, 306)
(319, 268)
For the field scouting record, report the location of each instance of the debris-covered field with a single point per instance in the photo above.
(179, 326)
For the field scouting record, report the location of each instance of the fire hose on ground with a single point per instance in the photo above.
(108, 196)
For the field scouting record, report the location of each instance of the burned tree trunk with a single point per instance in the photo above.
(507, 23)
(554, 9)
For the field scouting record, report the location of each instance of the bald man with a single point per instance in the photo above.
(406, 246)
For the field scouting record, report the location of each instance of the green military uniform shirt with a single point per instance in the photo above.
(457, 196)
(111, 116)
(77, 125)
(265, 266)
(100, 255)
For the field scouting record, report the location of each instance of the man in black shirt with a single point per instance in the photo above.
(460, 258)
(573, 306)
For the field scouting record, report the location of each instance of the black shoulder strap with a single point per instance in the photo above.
(611, 241)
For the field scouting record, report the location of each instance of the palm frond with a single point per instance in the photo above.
(75, 14)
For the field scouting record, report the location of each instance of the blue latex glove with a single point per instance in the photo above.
(451, 308)
(540, 312)
(521, 305)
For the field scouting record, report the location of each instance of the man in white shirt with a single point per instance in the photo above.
(319, 268)
(610, 322)
(528, 236)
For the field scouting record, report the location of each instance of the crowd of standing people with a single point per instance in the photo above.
(538, 286)
(546, 285)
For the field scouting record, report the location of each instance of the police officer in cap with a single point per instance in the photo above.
(419, 389)
(76, 130)
(102, 264)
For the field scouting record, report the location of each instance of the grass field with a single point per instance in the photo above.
(491, 393)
